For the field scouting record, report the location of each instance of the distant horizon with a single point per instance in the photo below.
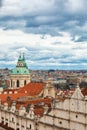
(48, 69)
(51, 33)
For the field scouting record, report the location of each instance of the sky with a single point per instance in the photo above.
(51, 33)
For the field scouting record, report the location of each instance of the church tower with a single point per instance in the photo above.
(20, 75)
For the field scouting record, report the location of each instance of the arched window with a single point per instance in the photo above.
(17, 83)
(30, 126)
(24, 82)
(11, 83)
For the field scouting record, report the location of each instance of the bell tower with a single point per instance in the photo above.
(20, 75)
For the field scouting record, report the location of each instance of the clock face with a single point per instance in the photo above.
(20, 64)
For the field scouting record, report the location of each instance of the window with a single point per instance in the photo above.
(17, 129)
(22, 126)
(60, 122)
(20, 64)
(17, 71)
(17, 83)
(6, 119)
(36, 123)
(12, 119)
(11, 83)
(17, 123)
(30, 126)
(25, 82)
(76, 116)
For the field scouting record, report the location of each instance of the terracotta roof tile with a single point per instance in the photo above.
(84, 91)
(38, 105)
(37, 101)
(32, 89)
(4, 97)
(39, 111)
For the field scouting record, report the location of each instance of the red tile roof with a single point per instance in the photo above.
(38, 103)
(39, 111)
(32, 89)
(84, 91)
(4, 97)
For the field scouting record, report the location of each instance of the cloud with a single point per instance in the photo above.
(52, 33)
(41, 53)
(48, 16)
(20, 8)
(78, 6)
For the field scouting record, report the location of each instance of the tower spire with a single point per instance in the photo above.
(23, 56)
(19, 55)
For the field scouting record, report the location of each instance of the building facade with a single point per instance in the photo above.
(68, 113)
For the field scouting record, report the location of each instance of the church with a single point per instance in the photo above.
(20, 75)
(26, 105)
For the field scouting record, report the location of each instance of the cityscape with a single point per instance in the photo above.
(43, 65)
(41, 99)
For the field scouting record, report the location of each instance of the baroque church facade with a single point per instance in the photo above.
(35, 106)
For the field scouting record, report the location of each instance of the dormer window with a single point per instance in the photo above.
(17, 71)
(12, 119)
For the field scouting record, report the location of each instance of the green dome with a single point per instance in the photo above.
(21, 67)
(19, 70)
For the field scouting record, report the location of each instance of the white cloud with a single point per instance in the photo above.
(76, 6)
(50, 51)
(18, 7)
(20, 20)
